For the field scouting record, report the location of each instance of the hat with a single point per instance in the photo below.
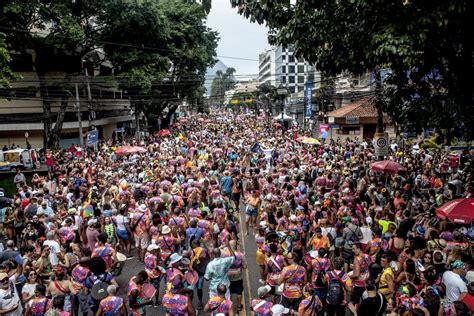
(165, 229)
(293, 218)
(441, 243)
(142, 208)
(420, 230)
(278, 310)
(152, 247)
(458, 264)
(175, 258)
(313, 254)
(3, 276)
(318, 230)
(368, 220)
(263, 224)
(317, 203)
(72, 211)
(263, 291)
(92, 221)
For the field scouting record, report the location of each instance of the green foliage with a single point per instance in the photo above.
(5, 71)
(221, 83)
(415, 39)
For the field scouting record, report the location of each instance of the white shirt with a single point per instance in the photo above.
(53, 254)
(454, 286)
(366, 234)
(10, 297)
(121, 221)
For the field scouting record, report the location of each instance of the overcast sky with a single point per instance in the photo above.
(238, 38)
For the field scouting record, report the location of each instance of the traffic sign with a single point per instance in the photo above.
(120, 130)
(381, 144)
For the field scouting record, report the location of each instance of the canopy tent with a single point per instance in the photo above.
(285, 118)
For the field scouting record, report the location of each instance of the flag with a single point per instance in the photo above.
(256, 148)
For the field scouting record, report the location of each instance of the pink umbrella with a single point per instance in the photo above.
(200, 120)
(387, 166)
(458, 211)
(122, 150)
(138, 150)
(163, 132)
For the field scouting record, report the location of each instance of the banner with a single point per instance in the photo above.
(308, 91)
(92, 138)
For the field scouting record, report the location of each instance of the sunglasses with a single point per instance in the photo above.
(33, 274)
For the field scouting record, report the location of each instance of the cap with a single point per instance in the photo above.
(293, 218)
(152, 247)
(368, 220)
(279, 310)
(263, 291)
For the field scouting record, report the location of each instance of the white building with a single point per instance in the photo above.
(267, 67)
(293, 73)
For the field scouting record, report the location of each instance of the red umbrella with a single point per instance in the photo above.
(458, 211)
(164, 132)
(137, 149)
(387, 166)
(277, 125)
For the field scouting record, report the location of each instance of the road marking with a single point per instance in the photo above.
(247, 276)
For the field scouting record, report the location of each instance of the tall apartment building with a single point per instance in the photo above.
(267, 67)
(293, 73)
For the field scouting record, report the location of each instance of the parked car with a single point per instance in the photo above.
(18, 158)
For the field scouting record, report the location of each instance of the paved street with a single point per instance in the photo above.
(251, 275)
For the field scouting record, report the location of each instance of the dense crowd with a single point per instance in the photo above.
(333, 236)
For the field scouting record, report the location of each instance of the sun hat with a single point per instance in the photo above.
(142, 208)
(174, 258)
(165, 230)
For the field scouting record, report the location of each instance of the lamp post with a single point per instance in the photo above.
(28, 148)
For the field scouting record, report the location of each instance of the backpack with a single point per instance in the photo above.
(320, 282)
(335, 294)
(305, 223)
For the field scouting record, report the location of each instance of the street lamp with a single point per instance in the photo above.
(28, 148)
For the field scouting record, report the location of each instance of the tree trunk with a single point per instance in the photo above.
(378, 96)
(56, 131)
(167, 119)
(46, 110)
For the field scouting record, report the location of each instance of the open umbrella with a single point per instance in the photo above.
(387, 166)
(310, 141)
(458, 211)
(164, 132)
(300, 138)
(122, 150)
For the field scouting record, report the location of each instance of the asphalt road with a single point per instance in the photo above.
(250, 277)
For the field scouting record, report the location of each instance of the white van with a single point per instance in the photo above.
(17, 158)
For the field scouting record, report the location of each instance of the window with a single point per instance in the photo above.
(283, 69)
(292, 89)
(300, 69)
(283, 79)
(291, 59)
(283, 57)
(300, 79)
(291, 69)
(291, 79)
(349, 131)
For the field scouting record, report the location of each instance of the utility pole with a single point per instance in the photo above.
(79, 120)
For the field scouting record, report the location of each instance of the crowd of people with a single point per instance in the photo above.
(333, 237)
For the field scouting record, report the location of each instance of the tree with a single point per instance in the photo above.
(52, 32)
(222, 82)
(168, 51)
(426, 44)
(6, 74)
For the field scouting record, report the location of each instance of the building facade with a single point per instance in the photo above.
(267, 67)
(99, 103)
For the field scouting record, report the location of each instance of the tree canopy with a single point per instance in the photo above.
(425, 44)
(222, 82)
(159, 50)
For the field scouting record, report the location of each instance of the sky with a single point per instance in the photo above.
(238, 38)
